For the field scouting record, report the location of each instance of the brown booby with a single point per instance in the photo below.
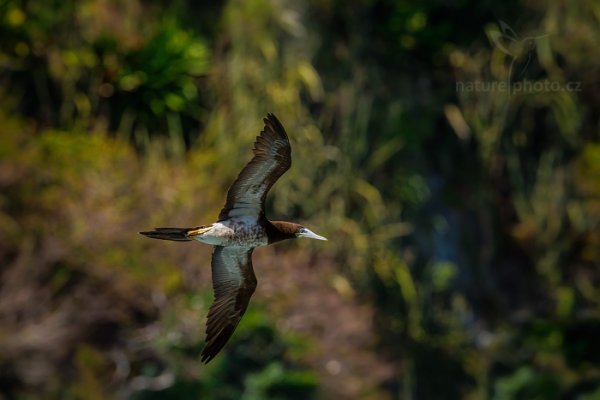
(241, 226)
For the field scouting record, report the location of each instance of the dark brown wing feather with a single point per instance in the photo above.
(233, 283)
(272, 157)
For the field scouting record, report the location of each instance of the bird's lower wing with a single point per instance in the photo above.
(233, 284)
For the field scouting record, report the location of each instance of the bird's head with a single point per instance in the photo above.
(281, 230)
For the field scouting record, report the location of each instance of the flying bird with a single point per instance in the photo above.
(241, 226)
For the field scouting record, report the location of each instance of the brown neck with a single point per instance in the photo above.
(281, 230)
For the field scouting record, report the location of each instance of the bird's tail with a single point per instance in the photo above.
(177, 234)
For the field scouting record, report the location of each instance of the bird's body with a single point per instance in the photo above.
(240, 228)
(236, 231)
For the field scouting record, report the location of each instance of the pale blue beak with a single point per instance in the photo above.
(307, 233)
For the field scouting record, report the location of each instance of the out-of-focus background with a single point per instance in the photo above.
(450, 153)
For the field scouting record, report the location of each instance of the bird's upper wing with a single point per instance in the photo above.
(233, 283)
(272, 157)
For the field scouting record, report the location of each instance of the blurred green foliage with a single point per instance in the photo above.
(463, 260)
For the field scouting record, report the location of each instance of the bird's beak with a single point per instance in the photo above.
(307, 233)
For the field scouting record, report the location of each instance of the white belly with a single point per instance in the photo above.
(234, 232)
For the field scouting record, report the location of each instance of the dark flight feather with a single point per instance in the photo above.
(272, 157)
(233, 283)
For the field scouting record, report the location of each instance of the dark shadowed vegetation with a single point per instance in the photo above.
(451, 153)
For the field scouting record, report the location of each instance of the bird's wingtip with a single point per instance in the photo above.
(270, 118)
(205, 359)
